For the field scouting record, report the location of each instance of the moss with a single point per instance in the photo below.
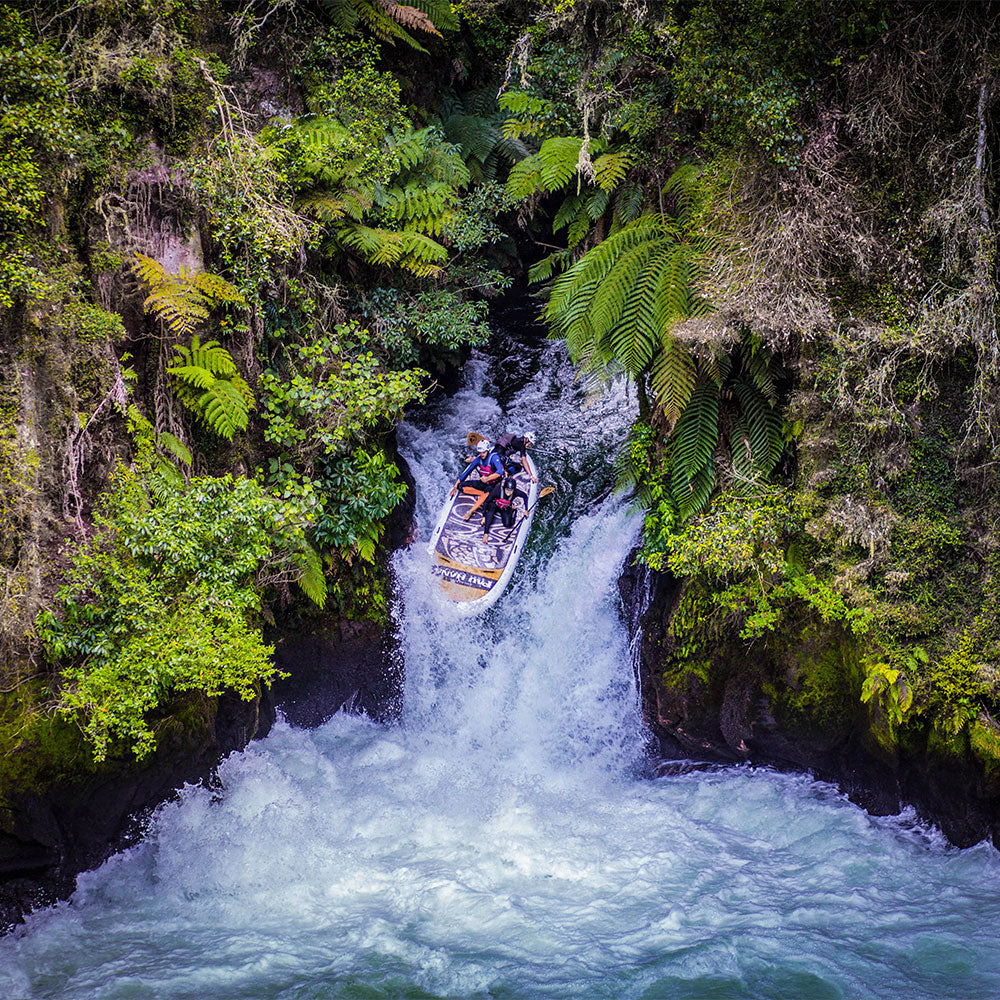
(984, 739)
(819, 688)
(37, 746)
(40, 747)
(679, 676)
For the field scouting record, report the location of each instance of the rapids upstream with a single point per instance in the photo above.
(505, 839)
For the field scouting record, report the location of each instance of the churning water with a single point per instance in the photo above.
(504, 839)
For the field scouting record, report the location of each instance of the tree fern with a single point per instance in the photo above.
(184, 300)
(390, 21)
(413, 251)
(693, 442)
(208, 383)
(673, 378)
(620, 298)
(474, 124)
(312, 580)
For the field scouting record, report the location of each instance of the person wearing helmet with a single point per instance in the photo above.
(510, 445)
(501, 504)
(487, 464)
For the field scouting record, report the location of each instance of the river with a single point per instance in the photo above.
(509, 837)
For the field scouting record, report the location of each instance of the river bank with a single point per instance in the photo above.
(748, 708)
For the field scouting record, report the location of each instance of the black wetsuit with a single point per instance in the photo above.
(502, 505)
(509, 445)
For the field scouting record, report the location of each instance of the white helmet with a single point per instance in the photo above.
(529, 437)
(482, 446)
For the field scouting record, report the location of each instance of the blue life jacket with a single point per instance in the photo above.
(485, 466)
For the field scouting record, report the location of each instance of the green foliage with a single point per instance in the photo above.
(750, 68)
(182, 301)
(328, 393)
(163, 597)
(38, 134)
(474, 123)
(207, 382)
(889, 688)
(956, 685)
(392, 22)
(616, 306)
(440, 321)
(358, 491)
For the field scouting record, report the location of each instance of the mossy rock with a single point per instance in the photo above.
(818, 688)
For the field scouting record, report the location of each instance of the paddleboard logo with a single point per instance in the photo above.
(464, 578)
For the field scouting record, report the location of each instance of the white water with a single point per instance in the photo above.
(501, 841)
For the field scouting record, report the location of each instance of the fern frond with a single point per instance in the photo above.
(673, 378)
(210, 385)
(312, 581)
(411, 250)
(411, 18)
(382, 25)
(681, 187)
(193, 375)
(610, 169)
(696, 435)
(223, 407)
(216, 289)
(182, 301)
(175, 446)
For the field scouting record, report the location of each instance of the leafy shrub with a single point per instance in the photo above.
(357, 492)
(328, 395)
(439, 320)
(164, 597)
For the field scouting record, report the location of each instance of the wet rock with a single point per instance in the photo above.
(745, 710)
(337, 665)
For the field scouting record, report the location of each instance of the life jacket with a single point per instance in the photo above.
(485, 470)
(502, 502)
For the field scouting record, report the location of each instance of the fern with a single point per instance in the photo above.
(209, 384)
(610, 169)
(474, 124)
(697, 432)
(673, 378)
(390, 21)
(621, 297)
(413, 251)
(312, 580)
(184, 300)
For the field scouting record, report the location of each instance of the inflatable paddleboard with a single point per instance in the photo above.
(470, 572)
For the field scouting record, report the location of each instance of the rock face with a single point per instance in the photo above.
(337, 665)
(755, 709)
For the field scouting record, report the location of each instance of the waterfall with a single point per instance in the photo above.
(503, 839)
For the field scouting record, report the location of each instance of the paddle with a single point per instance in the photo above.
(543, 492)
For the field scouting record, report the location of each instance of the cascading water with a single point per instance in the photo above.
(504, 840)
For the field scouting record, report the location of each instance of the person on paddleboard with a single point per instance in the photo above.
(501, 504)
(489, 467)
(509, 445)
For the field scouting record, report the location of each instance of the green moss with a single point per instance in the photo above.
(680, 675)
(984, 738)
(820, 684)
(38, 747)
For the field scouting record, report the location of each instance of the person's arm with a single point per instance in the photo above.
(497, 466)
(527, 468)
(461, 479)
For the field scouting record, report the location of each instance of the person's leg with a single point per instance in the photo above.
(489, 517)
